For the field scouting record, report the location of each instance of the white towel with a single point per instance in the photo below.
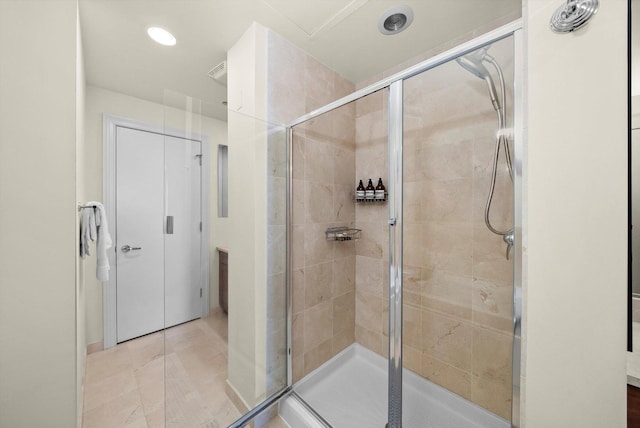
(94, 227)
(88, 230)
(103, 243)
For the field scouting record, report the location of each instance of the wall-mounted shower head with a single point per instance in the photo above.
(472, 62)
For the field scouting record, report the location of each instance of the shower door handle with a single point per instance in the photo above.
(169, 230)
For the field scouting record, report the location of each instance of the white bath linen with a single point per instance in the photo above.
(88, 230)
(103, 243)
(94, 227)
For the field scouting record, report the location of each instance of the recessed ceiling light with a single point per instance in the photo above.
(161, 36)
(395, 20)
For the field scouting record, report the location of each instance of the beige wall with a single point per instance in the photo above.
(81, 303)
(247, 200)
(38, 213)
(576, 220)
(101, 101)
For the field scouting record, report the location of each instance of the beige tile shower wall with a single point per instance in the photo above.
(457, 281)
(323, 181)
(372, 250)
(323, 271)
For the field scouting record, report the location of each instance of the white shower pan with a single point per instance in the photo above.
(350, 391)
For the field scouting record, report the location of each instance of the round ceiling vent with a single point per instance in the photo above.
(395, 20)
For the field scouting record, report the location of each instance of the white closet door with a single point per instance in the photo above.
(139, 223)
(183, 279)
(158, 260)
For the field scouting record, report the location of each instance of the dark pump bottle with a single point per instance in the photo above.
(379, 194)
(360, 191)
(370, 191)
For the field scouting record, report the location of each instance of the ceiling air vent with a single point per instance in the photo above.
(219, 73)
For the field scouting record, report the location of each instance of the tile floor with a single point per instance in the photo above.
(126, 386)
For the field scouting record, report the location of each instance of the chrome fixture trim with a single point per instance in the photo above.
(247, 417)
(310, 409)
(289, 261)
(81, 207)
(473, 44)
(573, 15)
(509, 239)
(395, 253)
(519, 222)
(169, 229)
(395, 20)
(126, 248)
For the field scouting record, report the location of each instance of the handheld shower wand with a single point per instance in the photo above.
(473, 63)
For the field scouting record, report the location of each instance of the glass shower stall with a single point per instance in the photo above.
(404, 309)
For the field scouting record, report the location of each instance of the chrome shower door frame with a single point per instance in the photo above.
(395, 142)
(395, 135)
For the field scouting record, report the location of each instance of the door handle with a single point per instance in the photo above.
(127, 248)
(169, 225)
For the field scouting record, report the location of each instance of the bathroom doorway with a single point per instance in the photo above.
(159, 257)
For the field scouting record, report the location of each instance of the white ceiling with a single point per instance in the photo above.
(342, 34)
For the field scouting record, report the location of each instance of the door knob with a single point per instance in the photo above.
(127, 248)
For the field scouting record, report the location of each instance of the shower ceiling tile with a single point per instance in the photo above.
(312, 16)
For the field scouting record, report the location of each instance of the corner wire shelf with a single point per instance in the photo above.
(342, 234)
(371, 200)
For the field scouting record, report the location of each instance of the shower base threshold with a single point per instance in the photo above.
(350, 391)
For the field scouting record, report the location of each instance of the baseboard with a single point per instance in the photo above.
(236, 399)
(95, 347)
(80, 396)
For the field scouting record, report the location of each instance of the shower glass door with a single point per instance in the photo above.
(457, 255)
(405, 303)
(339, 276)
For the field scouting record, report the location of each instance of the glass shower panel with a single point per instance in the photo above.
(221, 363)
(255, 366)
(457, 273)
(191, 348)
(339, 264)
